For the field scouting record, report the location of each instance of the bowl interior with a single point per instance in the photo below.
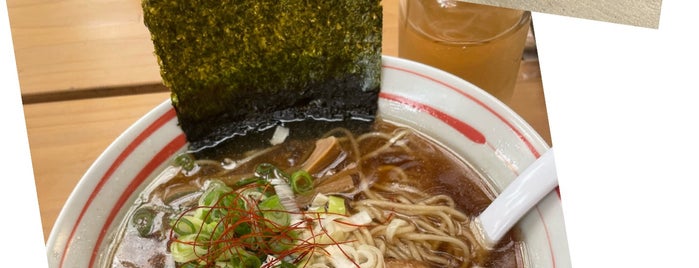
(453, 112)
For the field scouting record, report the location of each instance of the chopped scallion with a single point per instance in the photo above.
(283, 242)
(187, 225)
(247, 181)
(185, 160)
(265, 169)
(191, 265)
(336, 205)
(186, 248)
(301, 182)
(212, 194)
(285, 264)
(142, 219)
(249, 260)
(273, 211)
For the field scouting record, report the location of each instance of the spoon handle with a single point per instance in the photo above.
(518, 198)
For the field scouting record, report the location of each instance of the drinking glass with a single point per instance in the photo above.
(481, 44)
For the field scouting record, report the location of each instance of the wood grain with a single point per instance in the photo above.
(76, 45)
(80, 44)
(74, 54)
(66, 137)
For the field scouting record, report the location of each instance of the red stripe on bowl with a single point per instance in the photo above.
(157, 124)
(470, 132)
(548, 236)
(180, 141)
(161, 157)
(477, 101)
(465, 129)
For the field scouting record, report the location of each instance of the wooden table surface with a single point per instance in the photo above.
(87, 72)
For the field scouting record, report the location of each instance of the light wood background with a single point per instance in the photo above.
(87, 72)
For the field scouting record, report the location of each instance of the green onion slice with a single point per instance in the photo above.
(301, 182)
(185, 160)
(142, 219)
(265, 169)
(188, 248)
(336, 205)
(273, 211)
(187, 225)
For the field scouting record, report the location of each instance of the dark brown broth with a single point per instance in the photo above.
(449, 175)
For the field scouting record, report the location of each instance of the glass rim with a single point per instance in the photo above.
(523, 21)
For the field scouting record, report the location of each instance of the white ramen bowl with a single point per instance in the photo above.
(497, 142)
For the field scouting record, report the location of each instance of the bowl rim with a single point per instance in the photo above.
(163, 115)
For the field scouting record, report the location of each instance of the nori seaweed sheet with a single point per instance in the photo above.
(235, 66)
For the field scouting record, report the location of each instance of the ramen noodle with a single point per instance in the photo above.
(385, 198)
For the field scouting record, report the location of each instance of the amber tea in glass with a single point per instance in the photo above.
(479, 43)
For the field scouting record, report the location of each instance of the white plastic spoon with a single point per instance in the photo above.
(537, 180)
